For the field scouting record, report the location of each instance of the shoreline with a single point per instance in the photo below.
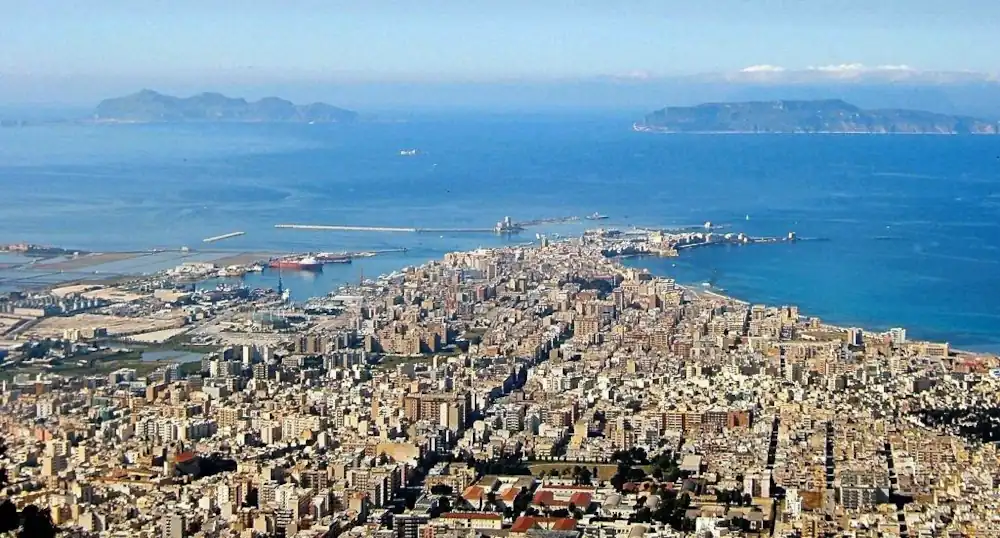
(692, 288)
(828, 326)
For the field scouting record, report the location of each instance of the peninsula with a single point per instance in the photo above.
(819, 116)
(148, 106)
(541, 391)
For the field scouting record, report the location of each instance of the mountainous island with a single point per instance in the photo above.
(822, 116)
(148, 106)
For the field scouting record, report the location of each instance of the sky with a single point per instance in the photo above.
(110, 43)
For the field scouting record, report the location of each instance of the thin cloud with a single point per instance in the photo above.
(763, 68)
(858, 68)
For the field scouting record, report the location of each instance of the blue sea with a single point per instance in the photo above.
(913, 222)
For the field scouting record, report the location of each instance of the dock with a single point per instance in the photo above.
(221, 237)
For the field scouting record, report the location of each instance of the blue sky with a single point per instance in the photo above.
(454, 40)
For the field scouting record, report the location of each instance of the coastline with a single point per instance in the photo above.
(661, 130)
(827, 326)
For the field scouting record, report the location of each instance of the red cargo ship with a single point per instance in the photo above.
(296, 264)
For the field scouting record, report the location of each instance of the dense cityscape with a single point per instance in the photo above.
(528, 391)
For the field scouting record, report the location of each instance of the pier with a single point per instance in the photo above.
(338, 228)
(748, 240)
(505, 226)
(221, 237)
(508, 228)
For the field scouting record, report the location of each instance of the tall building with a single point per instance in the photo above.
(897, 335)
(407, 525)
(173, 526)
(855, 336)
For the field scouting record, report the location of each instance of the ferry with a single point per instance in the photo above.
(596, 216)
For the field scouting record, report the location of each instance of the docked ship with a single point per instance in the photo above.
(296, 264)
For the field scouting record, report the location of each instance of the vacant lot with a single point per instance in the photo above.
(54, 327)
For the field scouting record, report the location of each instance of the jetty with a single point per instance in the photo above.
(500, 228)
(339, 228)
(215, 238)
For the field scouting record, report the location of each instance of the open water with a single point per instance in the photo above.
(913, 221)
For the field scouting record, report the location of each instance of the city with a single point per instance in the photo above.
(517, 391)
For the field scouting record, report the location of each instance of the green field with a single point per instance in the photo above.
(96, 365)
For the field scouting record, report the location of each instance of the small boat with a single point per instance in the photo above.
(407, 152)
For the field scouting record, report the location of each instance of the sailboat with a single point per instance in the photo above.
(748, 217)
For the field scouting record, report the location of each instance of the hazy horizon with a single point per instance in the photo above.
(375, 54)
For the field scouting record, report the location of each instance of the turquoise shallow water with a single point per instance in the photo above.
(912, 220)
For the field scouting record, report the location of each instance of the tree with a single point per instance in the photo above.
(636, 474)
(32, 521)
(747, 499)
(672, 475)
(522, 501)
(585, 477)
(441, 489)
(643, 515)
(620, 477)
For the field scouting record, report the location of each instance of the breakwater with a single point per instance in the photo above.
(215, 238)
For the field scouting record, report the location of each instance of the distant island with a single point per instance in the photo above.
(821, 116)
(148, 106)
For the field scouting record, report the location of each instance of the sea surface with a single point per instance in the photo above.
(913, 222)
